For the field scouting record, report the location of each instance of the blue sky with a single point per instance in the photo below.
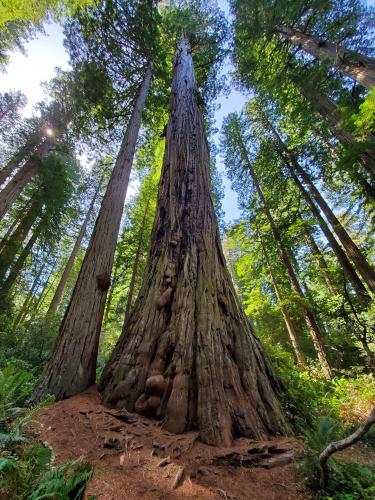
(25, 72)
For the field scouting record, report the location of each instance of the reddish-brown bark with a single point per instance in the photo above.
(187, 352)
(72, 365)
(357, 66)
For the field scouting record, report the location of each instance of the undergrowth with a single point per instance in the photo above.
(26, 470)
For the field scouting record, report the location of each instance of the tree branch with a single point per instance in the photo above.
(342, 445)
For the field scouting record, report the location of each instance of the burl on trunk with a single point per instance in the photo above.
(187, 354)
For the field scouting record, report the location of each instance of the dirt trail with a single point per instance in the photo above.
(126, 451)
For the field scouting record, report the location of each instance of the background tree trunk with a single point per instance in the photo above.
(12, 245)
(284, 311)
(309, 316)
(25, 306)
(353, 252)
(322, 264)
(72, 365)
(72, 257)
(17, 266)
(130, 299)
(357, 66)
(187, 352)
(22, 154)
(330, 111)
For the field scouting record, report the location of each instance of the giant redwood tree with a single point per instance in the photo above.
(187, 352)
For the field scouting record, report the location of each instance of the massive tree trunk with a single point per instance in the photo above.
(130, 298)
(69, 265)
(72, 365)
(352, 64)
(284, 311)
(331, 112)
(353, 252)
(187, 353)
(309, 316)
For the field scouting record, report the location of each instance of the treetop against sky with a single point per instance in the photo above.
(46, 52)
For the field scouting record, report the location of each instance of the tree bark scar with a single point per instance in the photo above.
(103, 281)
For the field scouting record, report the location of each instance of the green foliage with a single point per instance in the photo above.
(347, 481)
(29, 474)
(65, 482)
(26, 470)
(28, 344)
(15, 385)
(364, 120)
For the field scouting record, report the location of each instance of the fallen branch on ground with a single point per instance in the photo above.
(341, 445)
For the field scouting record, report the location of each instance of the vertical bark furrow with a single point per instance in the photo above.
(206, 370)
(72, 365)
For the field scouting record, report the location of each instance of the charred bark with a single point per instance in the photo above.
(187, 352)
(352, 64)
(72, 365)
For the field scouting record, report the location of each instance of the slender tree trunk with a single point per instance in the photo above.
(284, 311)
(187, 352)
(69, 265)
(24, 308)
(17, 266)
(129, 302)
(346, 265)
(356, 176)
(21, 155)
(72, 365)
(353, 252)
(330, 111)
(111, 290)
(12, 226)
(352, 64)
(16, 185)
(308, 313)
(46, 288)
(13, 243)
(319, 257)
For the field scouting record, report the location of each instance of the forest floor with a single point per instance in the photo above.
(127, 452)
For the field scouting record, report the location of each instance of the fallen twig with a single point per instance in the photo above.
(178, 477)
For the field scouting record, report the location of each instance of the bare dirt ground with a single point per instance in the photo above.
(134, 458)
